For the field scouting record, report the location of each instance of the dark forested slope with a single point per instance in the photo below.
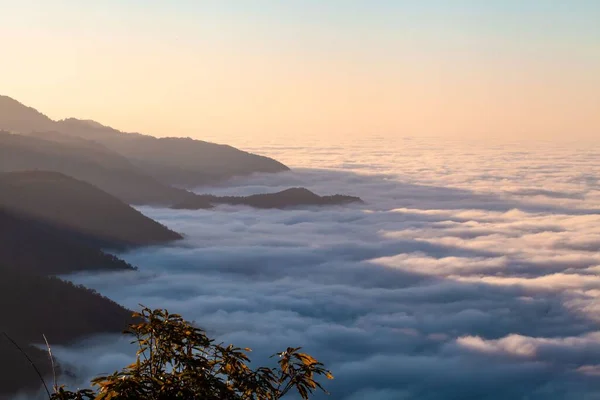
(52, 224)
(35, 305)
(77, 206)
(34, 246)
(59, 309)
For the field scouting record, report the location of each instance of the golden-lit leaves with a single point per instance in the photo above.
(176, 360)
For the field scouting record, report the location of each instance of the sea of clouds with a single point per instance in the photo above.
(471, 272)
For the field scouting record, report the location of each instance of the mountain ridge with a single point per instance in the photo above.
(87, 161)
(170, 160)
(52, 224)
(288, 198)
(76, 205)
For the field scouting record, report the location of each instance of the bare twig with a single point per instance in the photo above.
(39, 374)
(54, 385)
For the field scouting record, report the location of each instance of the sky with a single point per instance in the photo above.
(280, 70)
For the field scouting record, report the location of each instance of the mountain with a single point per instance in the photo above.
(40, 306)
(35, 305)
(38, 247)
(16, 117)
(294, 197)
(173, 161)
(78, 207)
(177, 161)
(51, 224)
(64, 189)
(85, 160)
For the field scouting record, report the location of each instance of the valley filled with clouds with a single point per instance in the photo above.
(469, 272)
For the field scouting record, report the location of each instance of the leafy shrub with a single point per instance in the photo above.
(176, 360)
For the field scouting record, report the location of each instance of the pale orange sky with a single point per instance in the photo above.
(275, 70)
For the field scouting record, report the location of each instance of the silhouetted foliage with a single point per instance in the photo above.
(176, 360)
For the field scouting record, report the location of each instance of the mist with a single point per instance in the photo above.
(469, 275)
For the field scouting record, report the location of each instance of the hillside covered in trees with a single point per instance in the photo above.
(77, 206)
(36, 246)
(51, 224)
(42, 305)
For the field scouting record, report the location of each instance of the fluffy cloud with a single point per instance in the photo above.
(467, 274)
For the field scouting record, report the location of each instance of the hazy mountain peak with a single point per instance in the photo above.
(84, 122)
(4, 100)
(169, 161)
(15, 116)
(7, 103)
(87, 128)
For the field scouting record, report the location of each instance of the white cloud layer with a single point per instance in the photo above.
(468, 273)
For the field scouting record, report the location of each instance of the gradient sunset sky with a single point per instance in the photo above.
(277, 69)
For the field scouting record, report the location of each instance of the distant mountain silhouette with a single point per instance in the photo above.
(85, 160)
(77, 206)
(173, 161)
(179, 161)
(17, 117)
(294, 197)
